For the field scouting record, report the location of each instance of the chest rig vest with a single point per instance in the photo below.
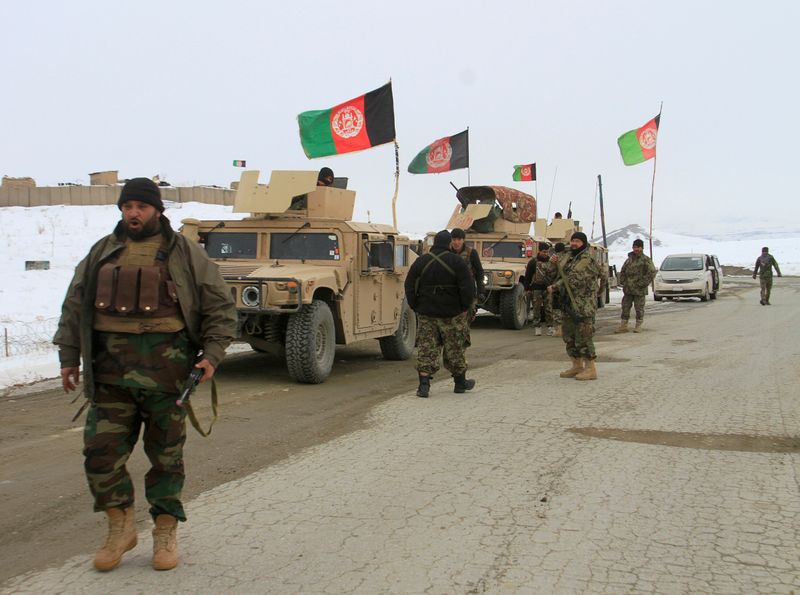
(135, 293)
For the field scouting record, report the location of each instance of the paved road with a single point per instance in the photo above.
(676, 471)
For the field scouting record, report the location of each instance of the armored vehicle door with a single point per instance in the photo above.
(377, 286)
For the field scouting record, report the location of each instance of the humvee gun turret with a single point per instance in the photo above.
(497, 221)
(305, 277)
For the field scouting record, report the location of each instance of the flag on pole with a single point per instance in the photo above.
(639, 145)
(444, 154)
(239, 163)
(525, 173)
(361, 123)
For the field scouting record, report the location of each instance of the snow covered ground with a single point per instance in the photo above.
(30, 301)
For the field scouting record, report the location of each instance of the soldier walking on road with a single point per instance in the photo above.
(540, 273)
(142, 305)
(473, 260)
(559, 254)
(635, 277)
(764, 263)
(578, 276)
(440, 289)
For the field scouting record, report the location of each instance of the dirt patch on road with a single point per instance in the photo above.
(739, 442)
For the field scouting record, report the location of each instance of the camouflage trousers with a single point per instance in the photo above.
(558, 317)
(112, 429)
(766, 288)
(448, 337)
(637, 301)
(542, 307)
(578, 337)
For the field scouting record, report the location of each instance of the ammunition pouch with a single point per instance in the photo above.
(144, 291)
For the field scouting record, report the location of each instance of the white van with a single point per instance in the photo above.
(688, 275)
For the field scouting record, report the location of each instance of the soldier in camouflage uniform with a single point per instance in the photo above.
(473, 260)
(440, 289)
(635, 277)
(765, 263)
(540, 273)
(559, 254)
(578, 277)
(141, 307)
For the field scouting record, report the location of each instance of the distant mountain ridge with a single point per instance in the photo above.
(623, 237)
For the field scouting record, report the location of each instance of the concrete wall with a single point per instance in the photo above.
(104, 195)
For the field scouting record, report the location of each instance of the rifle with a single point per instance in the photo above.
(567, 300)
(188, 386)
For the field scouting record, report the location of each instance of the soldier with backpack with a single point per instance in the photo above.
(440, 289)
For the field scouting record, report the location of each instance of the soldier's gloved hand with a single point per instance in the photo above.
(70, 378)
(208, 369)
(754, 275)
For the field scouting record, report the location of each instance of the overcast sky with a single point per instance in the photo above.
(183, 88)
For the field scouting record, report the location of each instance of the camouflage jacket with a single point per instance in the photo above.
(636, 274)
(540, 273)
(204, 299)
(763, 266)
(583, 275)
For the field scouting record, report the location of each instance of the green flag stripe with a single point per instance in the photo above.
(630, 148)
(315, 133)
(419, 165)
(517, 173)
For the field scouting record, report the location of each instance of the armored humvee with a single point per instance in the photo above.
(497, 220)
(305, 277)
(560, 230)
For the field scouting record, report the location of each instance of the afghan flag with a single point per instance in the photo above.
(445, 154)
(239, 163)
(361, 123)
(640, 144)
(525, 173)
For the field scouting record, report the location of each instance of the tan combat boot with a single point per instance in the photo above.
(622, 328)
(638, 327)
(121, 538)
(589, 372)
(558, 332)
(577, 368)
(165, 542)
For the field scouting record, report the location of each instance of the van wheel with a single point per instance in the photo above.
(513, 308)
(713, 295)
(657, 297)
(400, 345)
(310, 343)
(704, 297)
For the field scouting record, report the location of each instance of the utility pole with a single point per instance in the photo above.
(602, 212)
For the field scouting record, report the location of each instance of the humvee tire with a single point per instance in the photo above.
(657, 297)
(513, 308)
(310, 343)
(400, 345)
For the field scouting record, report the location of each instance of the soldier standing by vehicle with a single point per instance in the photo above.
(578, 276)
(636, 275)
(764, 263)
(559, 254)
(473, 261)
(539, 274)
(440, 290)
(140, 307)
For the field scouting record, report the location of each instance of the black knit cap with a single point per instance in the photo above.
(442, 239)
(560, 247)
(638, 242)
(458, 233)
(579, 235)
(543, 246)
(142, 189)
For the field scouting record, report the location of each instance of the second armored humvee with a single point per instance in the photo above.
(497, 220)
(305, 277)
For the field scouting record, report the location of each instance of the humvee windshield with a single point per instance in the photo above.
(503, 250)
(231, 245)
(304, 246)
(682, 263)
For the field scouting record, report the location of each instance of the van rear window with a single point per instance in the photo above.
(682, 263)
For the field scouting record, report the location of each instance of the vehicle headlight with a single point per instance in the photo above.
(508, 274)
(251, 296)
(486, 279)
(699, 276)
(659, 278)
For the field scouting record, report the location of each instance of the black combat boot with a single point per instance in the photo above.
(424, 386)
(462, 384)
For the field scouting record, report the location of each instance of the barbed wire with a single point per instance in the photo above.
(26, 338)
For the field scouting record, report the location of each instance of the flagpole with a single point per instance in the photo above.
(469, 174)
(552, 189)
(653, 184)
(396, 183)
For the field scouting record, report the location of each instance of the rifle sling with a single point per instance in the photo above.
(193, 417)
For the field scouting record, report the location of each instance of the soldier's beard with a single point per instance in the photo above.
(151, 228)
